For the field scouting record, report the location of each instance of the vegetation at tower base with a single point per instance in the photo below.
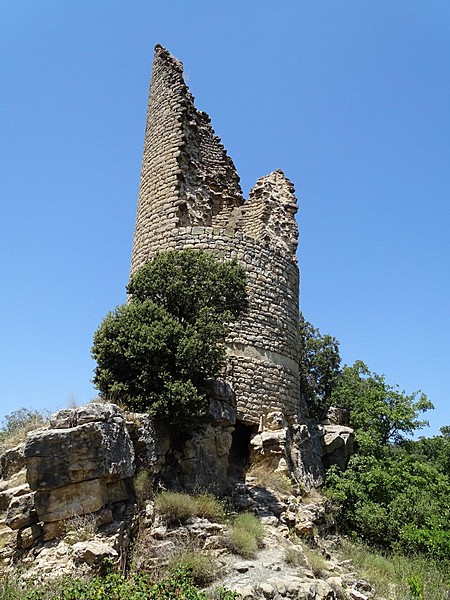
(319, 367)
(157, 352)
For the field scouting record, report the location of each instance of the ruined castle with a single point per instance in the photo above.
(190, 197)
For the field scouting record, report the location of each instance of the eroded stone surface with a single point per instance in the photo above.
(75, 499)
(94, 449)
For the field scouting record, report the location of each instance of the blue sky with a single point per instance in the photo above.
(350, 98)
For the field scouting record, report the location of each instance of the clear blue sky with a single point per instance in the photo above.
(350, 98)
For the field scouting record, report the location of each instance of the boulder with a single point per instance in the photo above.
(91, 450)
(93, 552)
(222, 413)
(90, 413)
(21, 512)
(338, 442)
(28, 536)
(7, 495)
(12, 461)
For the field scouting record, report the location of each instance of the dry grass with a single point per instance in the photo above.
(19, 424)
(391, 575)
(242, 542)
(246, 535)
(318, 564)
(176, 507)
(267, 478)
(80, 528)
(209, 507)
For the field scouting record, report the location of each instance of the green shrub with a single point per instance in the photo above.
(250, 522)
(175, 507)
(209, 507)
(246, 535)
(114, 586)
(243, 542)
(201, 567)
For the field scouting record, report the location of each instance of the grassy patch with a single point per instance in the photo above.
(209, 507)
(201, 567)
(317, 562)
(246, 535)
(249, 522)
(400, 577)
(175, 507)
(267, 478)
(242, 542)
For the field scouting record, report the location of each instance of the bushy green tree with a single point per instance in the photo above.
(395, 492)
(157, 352)
(319, 367)
(379, 412)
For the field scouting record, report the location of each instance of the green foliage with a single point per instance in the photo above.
(250, 523)
(185, 282)
(242, 542)
(221, 593)
(319, 367)
(415, 587)
(379, 413)
(399, 576)
(178, 585)
(395, 493)
(157, 352)
(177, 507)
(247, 533)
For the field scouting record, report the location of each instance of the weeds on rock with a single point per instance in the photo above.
(209, 507)
(142, 486)
(175, 507)
(265, 477)
(246, 535)
(80, 528)
(316, 561)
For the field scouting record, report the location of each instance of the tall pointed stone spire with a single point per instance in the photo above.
(187, 177)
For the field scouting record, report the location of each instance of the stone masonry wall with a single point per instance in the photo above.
(190, 197)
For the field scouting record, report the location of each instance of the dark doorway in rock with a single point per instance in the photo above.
(238, 458)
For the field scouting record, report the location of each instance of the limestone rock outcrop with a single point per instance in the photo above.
(80, 467)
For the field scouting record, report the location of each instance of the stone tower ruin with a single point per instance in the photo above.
(190, 197)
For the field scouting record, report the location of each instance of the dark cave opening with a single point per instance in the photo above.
(239, 455)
